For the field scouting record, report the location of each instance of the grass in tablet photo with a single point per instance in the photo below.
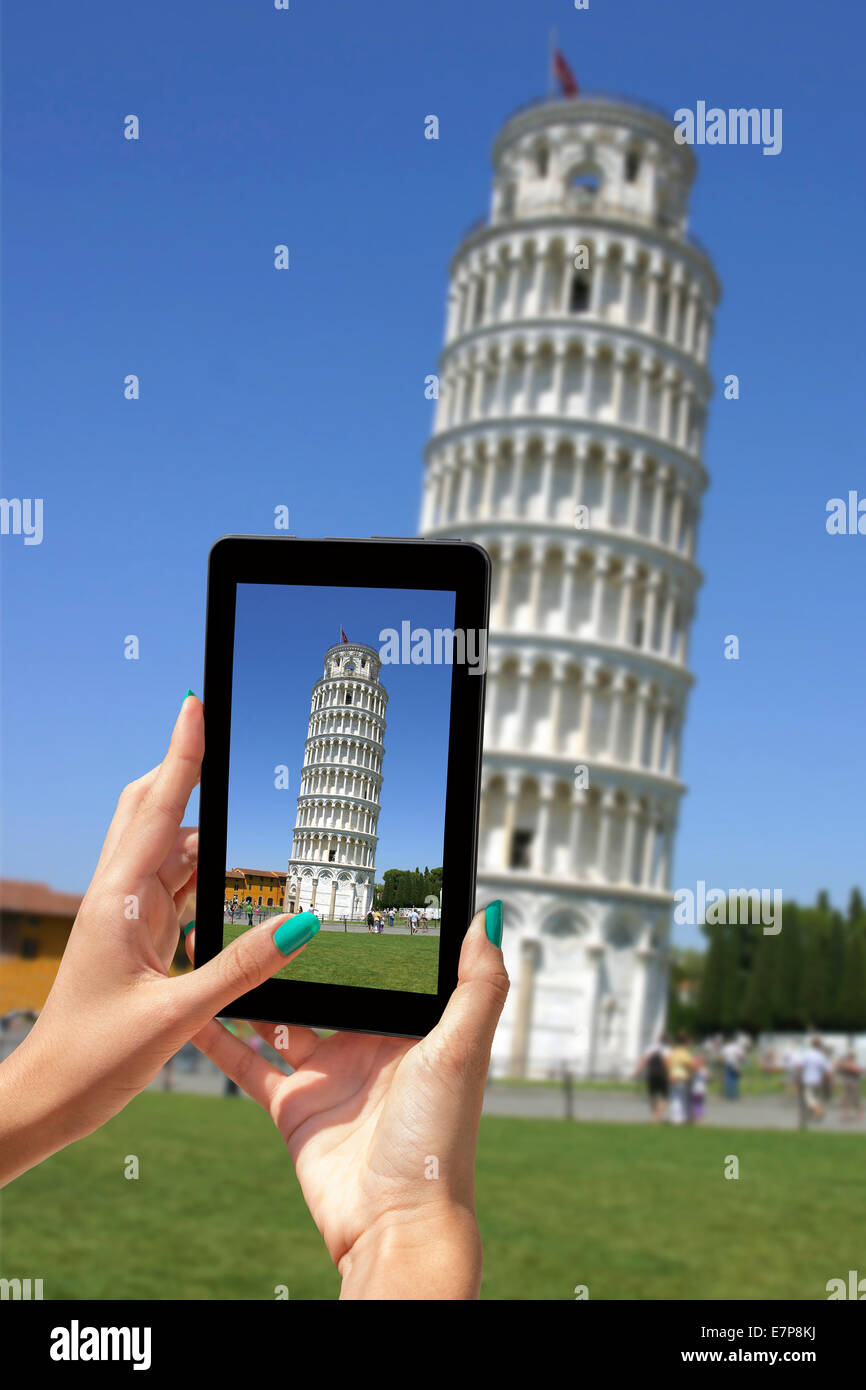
(368, 960)
(631, 1211)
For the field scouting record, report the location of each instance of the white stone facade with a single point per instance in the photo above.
(567, 441)
(333, 865)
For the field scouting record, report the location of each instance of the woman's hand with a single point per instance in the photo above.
(114, 1015)
(383, 1131)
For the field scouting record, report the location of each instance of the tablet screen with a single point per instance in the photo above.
(337, 774)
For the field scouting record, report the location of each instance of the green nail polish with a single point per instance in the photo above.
(296, 932)
(188, 928)
(186, 697)
(493, 922)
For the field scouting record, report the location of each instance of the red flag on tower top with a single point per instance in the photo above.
(564, 75)
(343, 637)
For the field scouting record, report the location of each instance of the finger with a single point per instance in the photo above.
(148, 839)
(253, 1073)
(295, 1043)
(466, 1028)
(180, 862)
(181, 897)
(127, 805)
(245, 963)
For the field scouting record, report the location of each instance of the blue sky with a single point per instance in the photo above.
(281, 636)
(305, 388)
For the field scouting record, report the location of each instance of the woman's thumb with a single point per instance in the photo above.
(465, 1030)
(250, 960)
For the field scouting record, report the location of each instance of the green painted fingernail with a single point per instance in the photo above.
(188, 928)
(493, 922)
(295, 932)
(186, 697)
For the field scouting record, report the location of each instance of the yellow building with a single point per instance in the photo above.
(261, 887)
(35, 922)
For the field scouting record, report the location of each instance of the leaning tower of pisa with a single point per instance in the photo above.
(333, 863)
(567, 441)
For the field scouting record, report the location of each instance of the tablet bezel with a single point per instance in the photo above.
(290, 560)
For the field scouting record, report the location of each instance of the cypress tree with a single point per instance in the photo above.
(711, 997)
(757, 1009)
(788, 1002)
(852, 996)
(835, 972)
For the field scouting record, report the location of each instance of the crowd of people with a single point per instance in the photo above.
(678, 1075)
(376, 920)
(814, 1073)
(418, 921)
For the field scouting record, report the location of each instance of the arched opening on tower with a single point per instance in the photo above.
(521, 850)
(578, 300)
(587, 182)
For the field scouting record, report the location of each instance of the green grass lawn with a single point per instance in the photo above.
(631, 1211)
(371, 960)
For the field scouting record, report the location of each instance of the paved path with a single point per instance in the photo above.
(191, 1072)
(401, 929)
(627, 1107)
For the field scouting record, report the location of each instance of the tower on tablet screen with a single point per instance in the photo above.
(333, 863)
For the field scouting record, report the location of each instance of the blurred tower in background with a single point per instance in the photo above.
(332, 868)
(567, 441)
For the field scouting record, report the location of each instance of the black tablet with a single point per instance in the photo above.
(343, 702)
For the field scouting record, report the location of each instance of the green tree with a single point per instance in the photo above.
(852, 996)
(835, 971)
(713, 991)
(788, 1012)
(757, 1008)
(686, 970)
(814, 977)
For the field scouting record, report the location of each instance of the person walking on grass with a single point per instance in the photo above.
(680, 1067)
(413, 918)
(371, 920)
(653, 1065)
(698, 1092)
(812, 1071)
(850, 1073)
(732, 1060)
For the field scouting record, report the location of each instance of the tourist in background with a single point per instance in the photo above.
(680, 1067)
(698, 1091)
(850, 1074)
(732, 1062)
(813, 1067)
(653, 1065)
